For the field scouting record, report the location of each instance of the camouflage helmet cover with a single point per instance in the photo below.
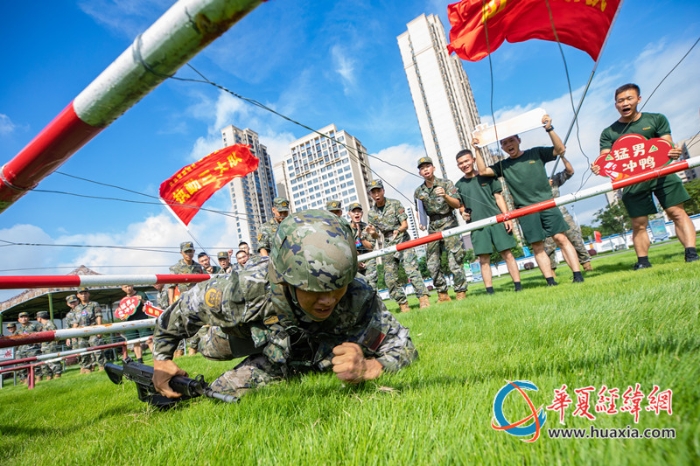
(314, 250)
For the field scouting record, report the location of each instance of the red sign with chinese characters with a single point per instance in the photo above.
(633, 154)
(188, 189)
(150, 310)
(127, 307)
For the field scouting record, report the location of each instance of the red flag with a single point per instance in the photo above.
(188, 189)
(583, 24)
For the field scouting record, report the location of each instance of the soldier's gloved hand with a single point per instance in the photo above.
(350, 364)
(163, 371)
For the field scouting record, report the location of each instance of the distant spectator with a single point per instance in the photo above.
(205, 262)
(137, 314)
(25, 327)
(86, 314)
(52, 369)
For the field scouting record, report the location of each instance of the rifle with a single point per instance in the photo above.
(142, 375)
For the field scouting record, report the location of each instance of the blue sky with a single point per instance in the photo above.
(317, 62)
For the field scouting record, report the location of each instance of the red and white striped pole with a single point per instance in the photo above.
(184, 30)
(12, 282)
(540, 206)
(82, 332)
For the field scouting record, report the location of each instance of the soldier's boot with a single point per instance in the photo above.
(403, 307)
(178, 353)
(424, 301)
(191, 351)
(57, 376)
(443, 297)
(461, 295)
(587, 266)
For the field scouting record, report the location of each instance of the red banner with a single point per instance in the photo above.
(127, 307)
(633, 154)
(583, 24)
(150, 310)
(188, 189)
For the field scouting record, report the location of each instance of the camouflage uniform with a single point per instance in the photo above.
(162, 298)
(182, 268)
(369, 272)
(442, 218)
(27, 351)
(573, 233)
(386, 220)
(85, 315)
(252, 313)
(267, 232)
(48, 347)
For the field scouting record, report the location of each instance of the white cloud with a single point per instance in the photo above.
(127, 18)
(6, 125)
(398, 183)
(344, 66)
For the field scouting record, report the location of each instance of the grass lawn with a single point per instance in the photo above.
(617, 329)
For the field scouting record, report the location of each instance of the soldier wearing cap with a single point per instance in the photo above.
(186, 265)
(11, 328)
(439, 198)
(300, 310)
(364, 243)
(224, 262)
(87, 314)
(51, 369)
(280, 209)
(25, 327)
(72, 301)
(335, 207)
(205, 262)
(389, 217)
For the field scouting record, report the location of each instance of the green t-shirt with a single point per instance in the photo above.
(477, 194)
(526, 177)
(649, 125)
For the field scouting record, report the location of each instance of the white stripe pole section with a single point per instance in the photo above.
(10, 282)
(82, 332)
(54, 357)
(177, 36)
(540, 206)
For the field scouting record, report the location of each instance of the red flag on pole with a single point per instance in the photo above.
(583, 24)
(188, 189)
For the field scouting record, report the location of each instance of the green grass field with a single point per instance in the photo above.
(617, 329)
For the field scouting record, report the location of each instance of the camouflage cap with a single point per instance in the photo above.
(314, 250)
(11, 325)
(353, 206)
(423, 160)
(281, 204)
(376, 184)
(71, 297)
(83, 288)
(222, 255)
(42, 315)
(186, 246)
(23, 314)
(334, 205)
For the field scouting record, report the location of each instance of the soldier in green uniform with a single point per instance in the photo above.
(574, 232)
(364, 243)
(280, 210)
(300, 310)
(11, 328)
(439, 198)
(186, 265)
(481, 198)
(162, 301)
(668, 190)
(52, 369)
(224, 262)
(389, 217)
(25, 327)
(72, 301)
(86, 314)
(528, 183)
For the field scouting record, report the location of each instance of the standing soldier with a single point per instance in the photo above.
(205, 261)
(364, 244)
(86, 314)
(280, 210)
(25, 351)
(72, 301)
(439, 198)
(389, 217)
(574, 232)
(224, 262)
(186, 265)
(51, 369)
(162, 296)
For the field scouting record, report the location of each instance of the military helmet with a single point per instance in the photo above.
(314, 250)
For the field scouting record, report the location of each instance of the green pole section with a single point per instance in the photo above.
(50, 307)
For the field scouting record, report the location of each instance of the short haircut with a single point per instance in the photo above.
(627, 87)
(241, 251)
(202, 254)
(241, 243)
(464, 152)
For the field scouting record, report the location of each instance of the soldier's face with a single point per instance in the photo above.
(204, 261)
(426, 171)
(356, 215)
(320, 306)
(84, 296)
(223, 262)
(23, 320)
(188, 255)
(511, 145)
(466, 164)
(377, 194)
(128, 289)
(73, 304)
(279, 216)
(244, 247)
(241, 258)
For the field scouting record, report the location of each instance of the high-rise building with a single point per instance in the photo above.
(251, 195)
(442, 95)
(318, 169)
